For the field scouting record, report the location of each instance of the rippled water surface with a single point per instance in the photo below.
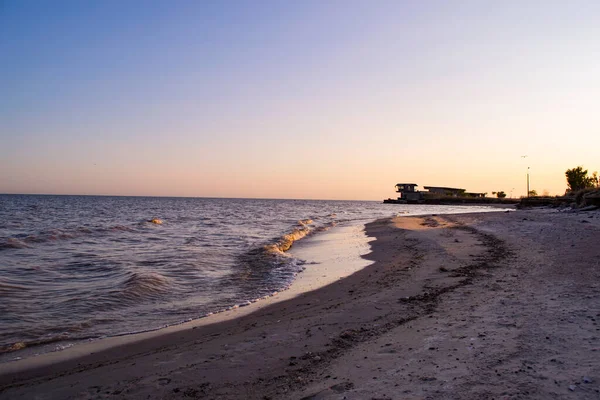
(77, 267)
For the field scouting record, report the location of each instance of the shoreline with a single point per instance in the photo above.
(309, 279)
(315, 344)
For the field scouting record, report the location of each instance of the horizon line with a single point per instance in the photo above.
(178, 197)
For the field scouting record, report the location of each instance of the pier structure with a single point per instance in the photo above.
(408, 194)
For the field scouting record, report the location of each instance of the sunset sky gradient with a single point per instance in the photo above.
(286, 99)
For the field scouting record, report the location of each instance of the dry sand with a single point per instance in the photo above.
(472, 306)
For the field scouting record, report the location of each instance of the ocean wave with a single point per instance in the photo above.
(7, 288)
(24, 240)
(61, 337)
(144, 285)
(12, 243)
(271, 265)
(117, 228)
(44, 335)
(284, 243)
(325, 228)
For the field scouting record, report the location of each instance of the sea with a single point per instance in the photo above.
(80, 268)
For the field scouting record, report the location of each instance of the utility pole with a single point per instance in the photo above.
(527, 177)
(527, 181)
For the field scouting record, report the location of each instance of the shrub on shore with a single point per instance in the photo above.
(587, 197)
(582, 189)
(578, 179)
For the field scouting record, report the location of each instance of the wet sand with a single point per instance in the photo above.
(494, 305)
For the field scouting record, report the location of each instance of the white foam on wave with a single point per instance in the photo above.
(305, 227)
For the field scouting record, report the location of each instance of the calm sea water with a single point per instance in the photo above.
(80, 267)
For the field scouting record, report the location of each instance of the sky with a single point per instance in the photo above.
(296, 99)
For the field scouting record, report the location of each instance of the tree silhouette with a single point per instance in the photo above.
(577, 179)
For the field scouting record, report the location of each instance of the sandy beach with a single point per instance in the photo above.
(498, 305)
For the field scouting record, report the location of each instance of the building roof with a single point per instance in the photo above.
(443, 188)
(406, 184)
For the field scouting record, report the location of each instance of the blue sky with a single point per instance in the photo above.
(337, 99)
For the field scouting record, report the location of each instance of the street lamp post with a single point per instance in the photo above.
(525, 156)
(527, 181)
